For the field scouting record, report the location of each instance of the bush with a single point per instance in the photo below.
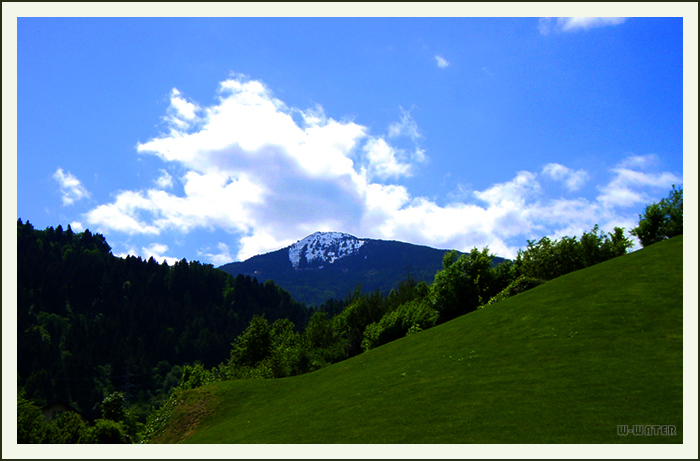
(463, 284)
(194, 376)
(114, 409)
(661, 220)
(548, 259)
(69, 427)
(108, 431)
(351, 323)
(159, 418)
(410, 317)
(31, 425)
(519, 285)
(253, 345)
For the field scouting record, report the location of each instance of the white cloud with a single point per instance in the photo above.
(406, 126)
(122, 215)
(77, 226)
(384, 161)
(441, 62)
(572, 24)
(211, 200)
(573, 180)
(262, 241)
(629, 187)
(585, 23)
(249, 163)
(642, 162)
(181, 114)
(254, 172)
(154, 250)
(218, 259)
(165, 180)
(71, 188)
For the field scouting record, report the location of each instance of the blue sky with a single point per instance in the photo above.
(215, 139)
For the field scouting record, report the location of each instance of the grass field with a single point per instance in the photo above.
(566, 362)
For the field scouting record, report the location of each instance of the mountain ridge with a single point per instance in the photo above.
(329, 265)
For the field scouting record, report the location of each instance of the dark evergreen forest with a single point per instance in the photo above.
(90, 323)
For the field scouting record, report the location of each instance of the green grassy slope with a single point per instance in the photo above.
(566, 362)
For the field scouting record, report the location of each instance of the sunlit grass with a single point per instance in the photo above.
(566, 362)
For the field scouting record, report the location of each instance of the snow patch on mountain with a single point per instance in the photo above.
(322, 248)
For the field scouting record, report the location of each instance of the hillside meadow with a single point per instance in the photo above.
(564, 363)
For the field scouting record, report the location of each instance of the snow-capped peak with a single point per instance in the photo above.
(322, 248)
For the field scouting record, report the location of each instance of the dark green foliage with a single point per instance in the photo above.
(160, 417)
(661, 220)
(361, 311)
(464, 284)
(547, 259)
(113, 407)
(265, 351)
(414, 315)
(519, 285)
(406, 291)
(322, 342)
(90, 323)
(194, 376)
(31, 426)
(70, 427)
(254, 344)
(277, 350)
(504, 274)
(406, 309)
(108, 431)
(288, 357)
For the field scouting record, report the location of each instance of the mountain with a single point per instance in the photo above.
(327, 265)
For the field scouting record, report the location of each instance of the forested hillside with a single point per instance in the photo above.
(89, 323)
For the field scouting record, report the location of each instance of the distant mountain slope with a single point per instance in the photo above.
(567, 362)
(328, 265)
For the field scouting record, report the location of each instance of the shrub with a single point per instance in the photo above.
(463, 284)
(548, 259)
(661, 220)
(410, 317)
(69, 427)
(31, 426)
(108, 431)
(519, 285)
